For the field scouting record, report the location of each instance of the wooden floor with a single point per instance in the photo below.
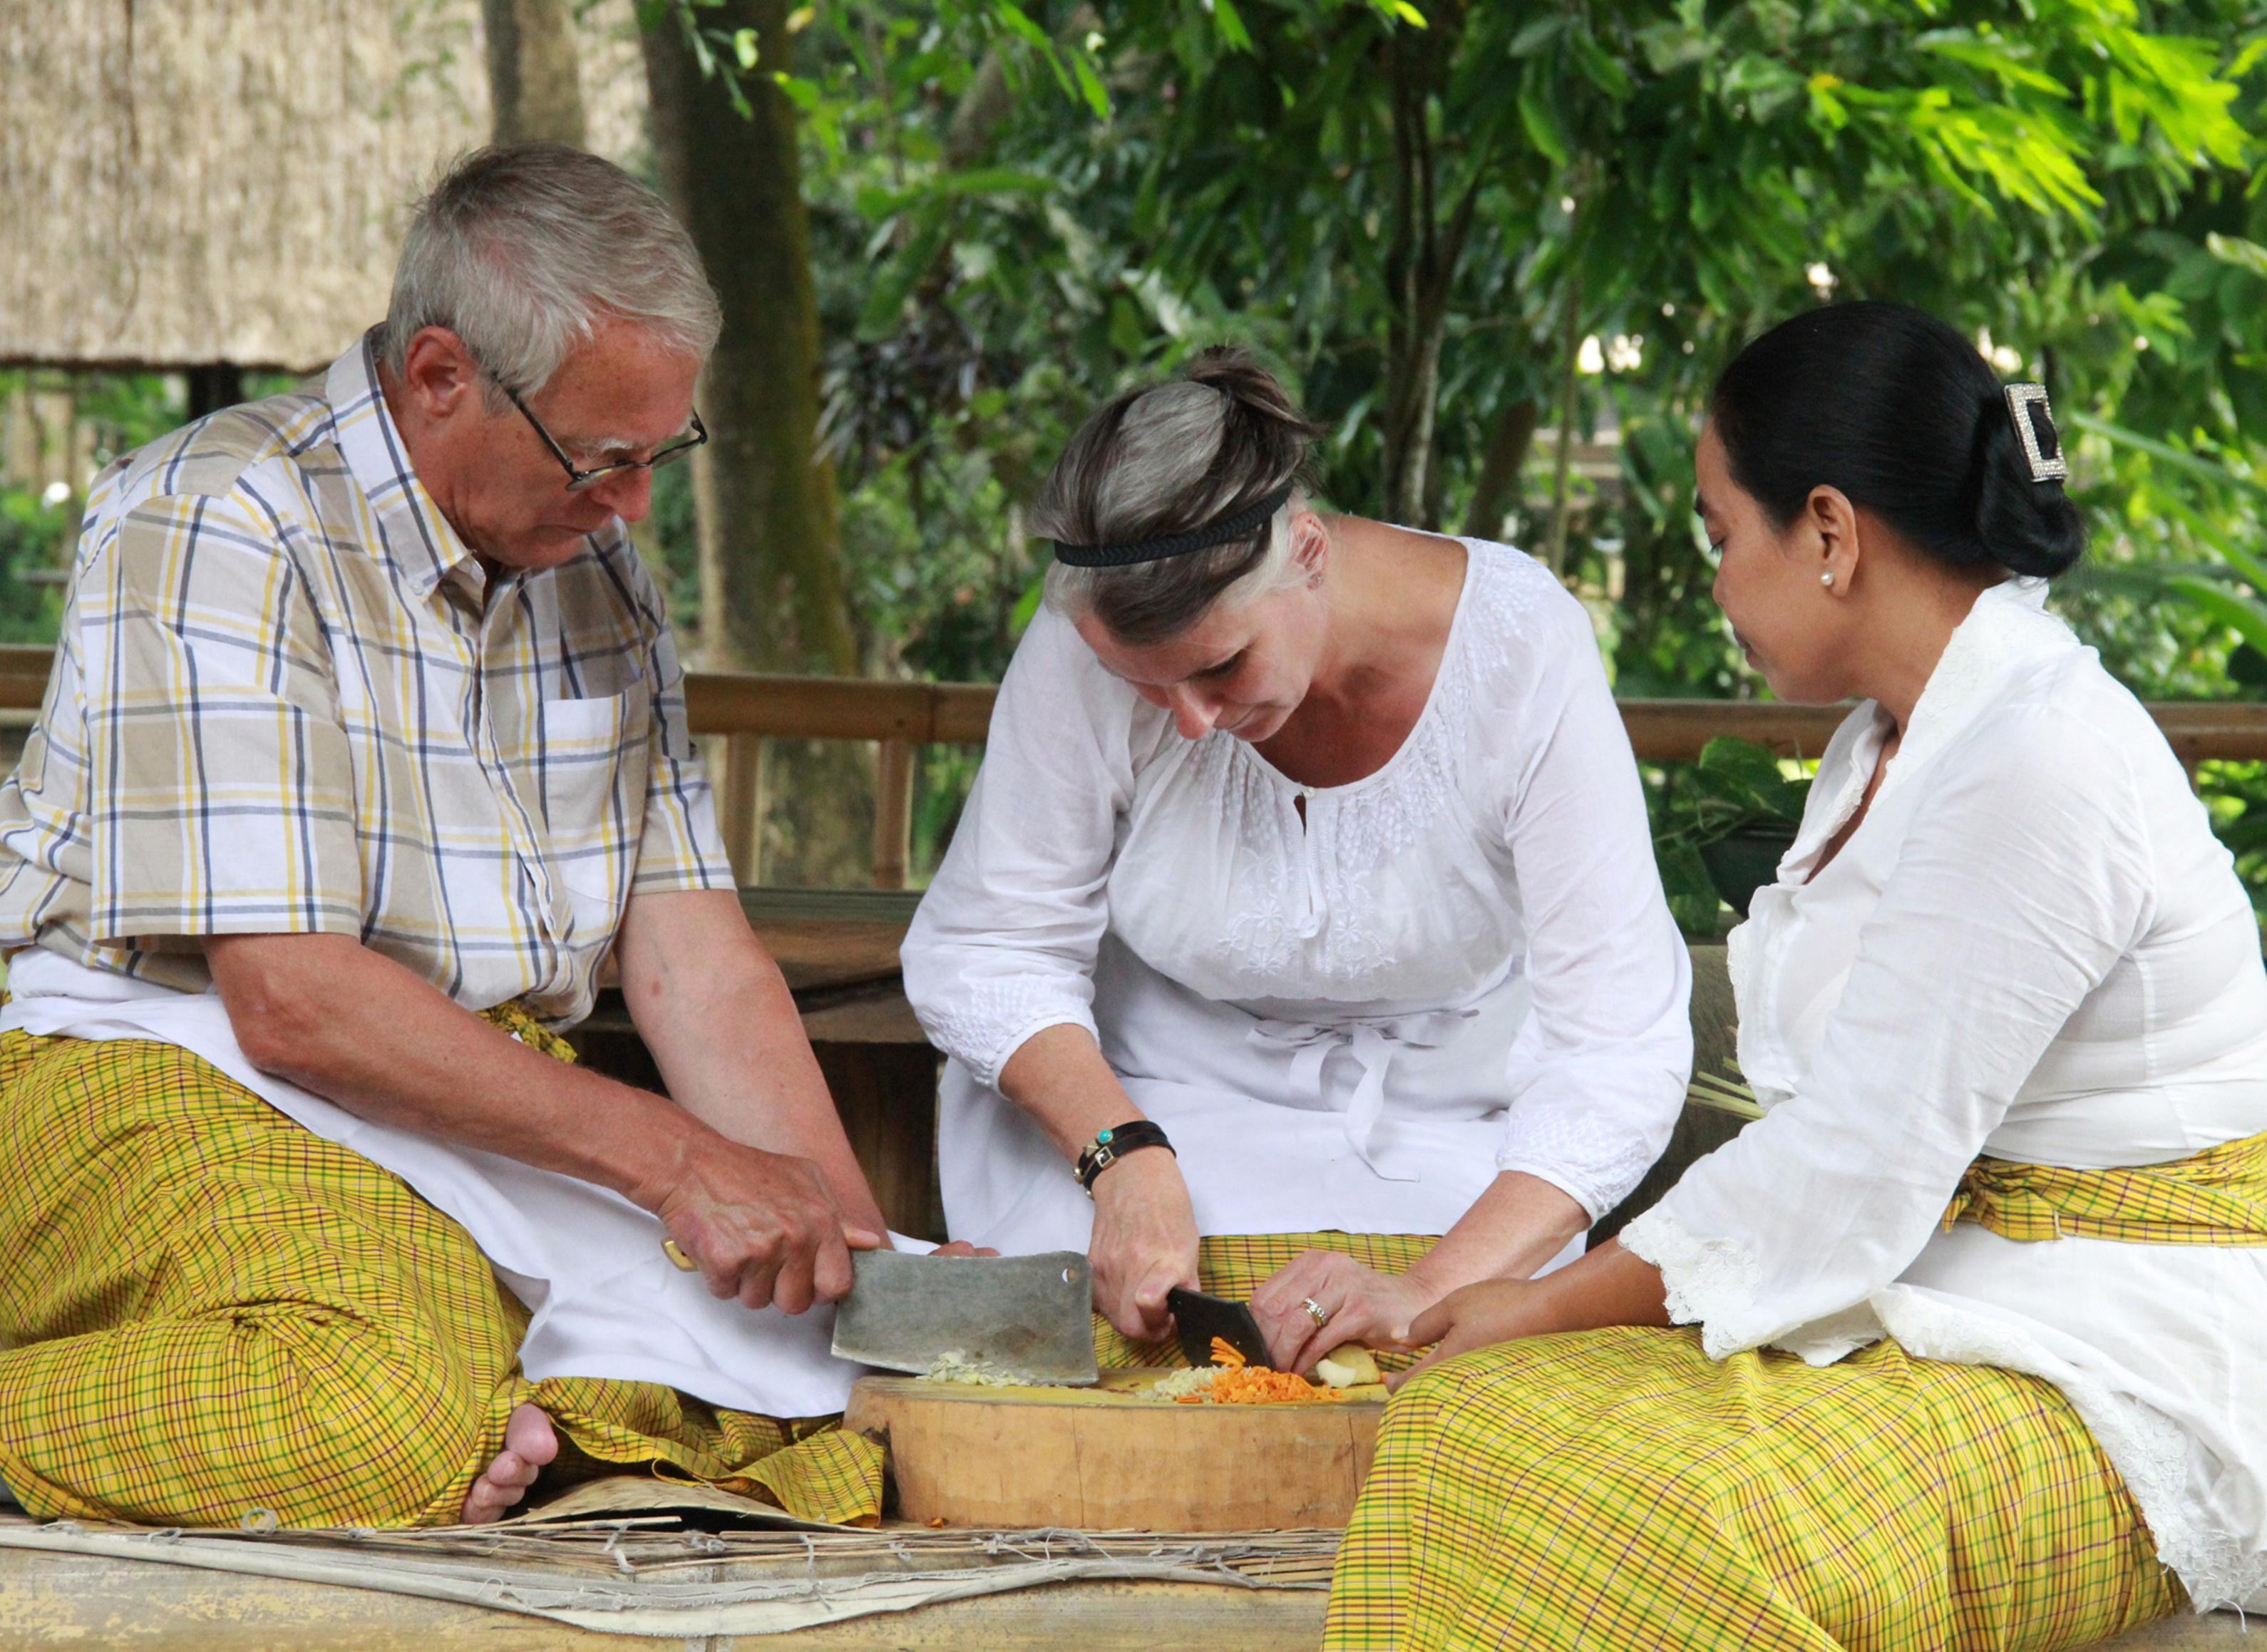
(70, 1600)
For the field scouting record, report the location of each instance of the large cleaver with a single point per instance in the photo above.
(1024, 1316)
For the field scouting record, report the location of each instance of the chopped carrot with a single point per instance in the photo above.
(1240, 1382)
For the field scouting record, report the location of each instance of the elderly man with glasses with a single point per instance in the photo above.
(365, 753)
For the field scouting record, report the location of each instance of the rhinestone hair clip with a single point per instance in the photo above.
(2042, 444)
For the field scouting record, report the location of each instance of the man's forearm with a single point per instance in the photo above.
(360, 1030)
(716, 1014)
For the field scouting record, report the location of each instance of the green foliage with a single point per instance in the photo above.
(60, 421)
(1418, 214)
(1736, 787)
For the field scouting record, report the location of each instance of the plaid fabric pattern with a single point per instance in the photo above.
(1615, 1489)
(2215, 1197)
(211, 1311)
(1235, 1265)
(287, 697)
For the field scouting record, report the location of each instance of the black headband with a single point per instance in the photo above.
(1202, 538)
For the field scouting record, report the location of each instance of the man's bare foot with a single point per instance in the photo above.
(528, 1445)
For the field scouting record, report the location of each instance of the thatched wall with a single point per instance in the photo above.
(187, 181)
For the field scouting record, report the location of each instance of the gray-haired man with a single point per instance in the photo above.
(365, 748)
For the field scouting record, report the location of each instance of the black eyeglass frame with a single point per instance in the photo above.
(579, 481)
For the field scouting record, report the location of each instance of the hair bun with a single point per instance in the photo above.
(1904, 415)
(2030, 527)
(1251, 389)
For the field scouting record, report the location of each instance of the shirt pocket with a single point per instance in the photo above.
(589, 760)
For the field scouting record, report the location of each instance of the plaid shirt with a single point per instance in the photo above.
(288, 699)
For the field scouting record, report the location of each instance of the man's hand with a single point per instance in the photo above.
(1476, 1317)
(1364, 1306)
(763, 1228)
(1145, 1241)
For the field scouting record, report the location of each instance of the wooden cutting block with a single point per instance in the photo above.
(1107, 1458)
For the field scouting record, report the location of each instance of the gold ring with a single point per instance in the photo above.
(1317, 1312)
(684, 1264)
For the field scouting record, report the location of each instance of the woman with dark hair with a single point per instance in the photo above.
(1302, 938)
(1964, 1344)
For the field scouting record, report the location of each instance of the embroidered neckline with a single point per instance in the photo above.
(1452, 650)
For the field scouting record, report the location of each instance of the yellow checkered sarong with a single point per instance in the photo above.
(1611, 1490)
(1235, 1265)
(1617, 1488)
(211, 1311)
(2215, 1197)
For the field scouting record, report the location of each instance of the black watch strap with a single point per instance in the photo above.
(1114, 1144)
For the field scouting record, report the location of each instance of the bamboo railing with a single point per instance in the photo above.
(744, 709)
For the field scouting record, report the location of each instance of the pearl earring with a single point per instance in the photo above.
(1827, 579)
(1314, 582)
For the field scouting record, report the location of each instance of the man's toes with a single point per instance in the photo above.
(482, 1504)
(530, 1437)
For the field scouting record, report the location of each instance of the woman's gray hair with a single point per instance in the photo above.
(1171, 459)
(523, 246)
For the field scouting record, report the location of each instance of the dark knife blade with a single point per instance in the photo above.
(1198, 1318)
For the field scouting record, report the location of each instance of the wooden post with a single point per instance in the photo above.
(893, 813)
(887, 1095)
(740, 791)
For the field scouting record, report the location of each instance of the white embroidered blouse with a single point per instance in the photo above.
(2032, 947)
(1346, 1018)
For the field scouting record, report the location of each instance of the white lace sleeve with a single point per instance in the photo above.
(2023, 879)
(1598, 1075)
(1004, 943)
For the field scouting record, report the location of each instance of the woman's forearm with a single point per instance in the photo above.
(1513, 1229)
(1058, 1076)
(1608, 1287)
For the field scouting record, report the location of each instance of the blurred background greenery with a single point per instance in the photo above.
(1500, 249)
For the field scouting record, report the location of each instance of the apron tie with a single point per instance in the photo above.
(1373, 1042)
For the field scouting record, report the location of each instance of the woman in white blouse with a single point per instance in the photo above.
(1311, 848)
(1974, 1320)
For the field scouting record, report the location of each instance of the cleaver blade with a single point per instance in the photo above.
(1030, 1316)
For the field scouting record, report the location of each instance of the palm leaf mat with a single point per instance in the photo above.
(613, 1556)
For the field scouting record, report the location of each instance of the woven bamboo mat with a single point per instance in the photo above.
(652, 1574)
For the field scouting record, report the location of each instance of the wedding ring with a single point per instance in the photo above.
(1317, 1312)
(684, 1263)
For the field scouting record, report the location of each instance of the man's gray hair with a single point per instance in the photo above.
(522, 247)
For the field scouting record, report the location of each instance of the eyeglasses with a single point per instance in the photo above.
(580, 481)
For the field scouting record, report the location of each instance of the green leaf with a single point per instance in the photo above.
(1230, 22)
(2234, 249)
(883, 311)
(2244, 615)
(1543, 128)
(1089, 84)
(1538, 34)
(2164, 451)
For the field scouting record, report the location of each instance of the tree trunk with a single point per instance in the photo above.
(772, 588)
(534, 87)
(1496, 493)
(1420, 270)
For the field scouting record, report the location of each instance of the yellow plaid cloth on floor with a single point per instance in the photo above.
(2215, 1197)
(1235, 1265)
(211, 1311)
(1612, 1490)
